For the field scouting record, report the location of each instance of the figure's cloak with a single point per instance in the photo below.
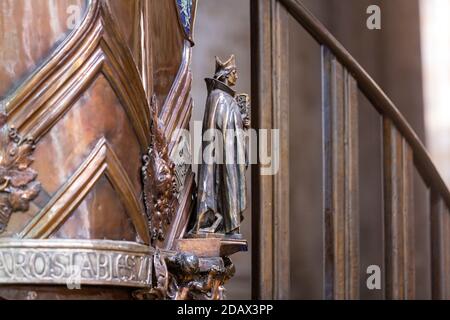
(221, 186)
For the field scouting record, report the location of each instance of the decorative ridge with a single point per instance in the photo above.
(101, 160)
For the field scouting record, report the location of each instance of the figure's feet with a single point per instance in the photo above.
(234, 234)
(214, 226)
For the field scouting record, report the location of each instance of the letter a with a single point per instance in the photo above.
(374, 20)
(374, 281)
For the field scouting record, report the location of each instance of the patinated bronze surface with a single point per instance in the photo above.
(185, 276)
(25, 22)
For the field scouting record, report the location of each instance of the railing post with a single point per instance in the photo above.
(270, 110)
(398, 215)
(440, 246)
(340, 143)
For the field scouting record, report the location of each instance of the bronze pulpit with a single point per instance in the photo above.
(92, 202)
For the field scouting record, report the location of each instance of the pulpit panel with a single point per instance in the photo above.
(30, 31)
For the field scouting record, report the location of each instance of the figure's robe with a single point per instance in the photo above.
(221, 186)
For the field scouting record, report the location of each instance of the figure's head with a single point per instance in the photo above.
(226, 71)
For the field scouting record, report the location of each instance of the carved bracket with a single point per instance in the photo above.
(185, 276)
(158, 175)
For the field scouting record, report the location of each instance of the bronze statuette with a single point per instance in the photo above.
(222, 186)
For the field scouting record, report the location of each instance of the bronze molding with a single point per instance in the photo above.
(156, 274)
(178, 102)
(86, 262)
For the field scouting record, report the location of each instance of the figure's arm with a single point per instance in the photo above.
(246, 120)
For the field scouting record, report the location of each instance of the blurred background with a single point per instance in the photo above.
(409, 58)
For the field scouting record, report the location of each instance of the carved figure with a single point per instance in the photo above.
(178, 277)
(221, 184)
(187, 282)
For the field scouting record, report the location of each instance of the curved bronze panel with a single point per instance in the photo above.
(87, 108)
(95, 47)
(98, 113)
(127, 15)
(101, 215)
(66, 133)
(30, 30)
(101, 161)
(166, 36)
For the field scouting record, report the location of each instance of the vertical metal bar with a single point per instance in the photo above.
(341, 216)
(280, 42)
(399, 219)
(408, 221)
(437, 247)
(270, 193)
(446, 247)
(351, 148)
(440, 255)
(262, 205)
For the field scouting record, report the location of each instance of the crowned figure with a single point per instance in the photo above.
(221, 198)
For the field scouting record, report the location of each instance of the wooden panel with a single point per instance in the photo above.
(341, 216)
(398, 215)
(440, 247)
(270, 193)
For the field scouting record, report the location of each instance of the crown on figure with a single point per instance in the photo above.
(224, 68)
